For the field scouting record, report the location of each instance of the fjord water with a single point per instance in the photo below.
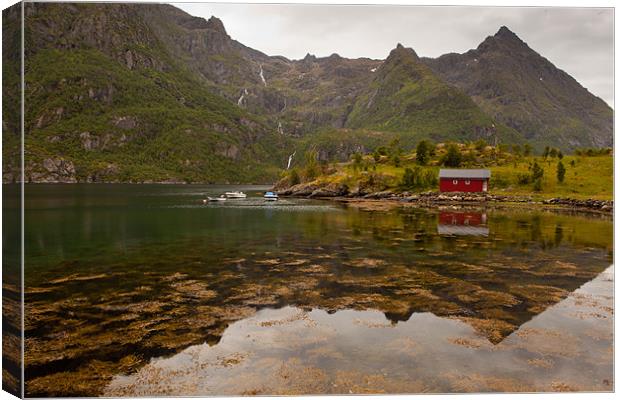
(145, 290)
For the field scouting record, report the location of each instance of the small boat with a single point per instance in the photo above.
(221, 198)
(235, 195)
(271, 196)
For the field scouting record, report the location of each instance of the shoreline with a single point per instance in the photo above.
(432, 200)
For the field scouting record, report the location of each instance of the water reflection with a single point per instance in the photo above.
(110, 287)
(292, 350)
(469, 223)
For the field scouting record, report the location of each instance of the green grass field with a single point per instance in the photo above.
(585, 177)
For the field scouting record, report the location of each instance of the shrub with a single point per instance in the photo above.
(311, 166)
(537, 171)
(294, 178)
(524, 179)
(538, 185)
(453, 157)
(417, 178)
(422, 152)
(561, 172)
(396, 160)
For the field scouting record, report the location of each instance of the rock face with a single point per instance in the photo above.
(520, 88)
(52, 170)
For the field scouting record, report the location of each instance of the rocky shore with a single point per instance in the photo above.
(430, 199)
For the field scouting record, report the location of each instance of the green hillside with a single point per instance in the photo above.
(406, 96)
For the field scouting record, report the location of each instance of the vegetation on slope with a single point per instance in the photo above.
(514, 170)
(406, 96)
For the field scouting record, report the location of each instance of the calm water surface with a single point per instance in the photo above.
(145, 290)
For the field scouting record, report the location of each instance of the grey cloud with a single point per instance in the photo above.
(577, 40)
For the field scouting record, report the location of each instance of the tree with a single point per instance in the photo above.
(311, 165)
(561, 172)
(453, 156)
(537, 171)
(560, 155)
(422, 152)
(527, 149)
(395, 147)
(537, 175)
(553, 152)
(546, 152)
(516, 150)
(294, 178)
(538, 185)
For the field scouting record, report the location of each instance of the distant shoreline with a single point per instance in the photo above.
(382, 201)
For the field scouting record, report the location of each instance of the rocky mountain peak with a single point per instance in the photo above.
(402, 53)
(215, 24)
(506, 33)
(504, 40)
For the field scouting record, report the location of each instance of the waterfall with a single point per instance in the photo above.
(245, 91)
(262, 77)
(290, 159)
(280, 131)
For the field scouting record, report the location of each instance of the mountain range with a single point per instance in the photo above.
(149, 93)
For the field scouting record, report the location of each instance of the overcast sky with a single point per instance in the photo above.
(577, 40)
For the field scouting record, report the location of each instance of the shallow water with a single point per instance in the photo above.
(145, 290)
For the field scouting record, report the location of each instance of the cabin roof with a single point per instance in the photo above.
(465, 173)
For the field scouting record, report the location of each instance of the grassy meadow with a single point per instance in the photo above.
(512, 173)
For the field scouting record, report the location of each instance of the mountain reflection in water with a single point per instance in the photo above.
(295, 351)
(120, 281)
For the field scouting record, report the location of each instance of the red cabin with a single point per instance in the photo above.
(464, 180)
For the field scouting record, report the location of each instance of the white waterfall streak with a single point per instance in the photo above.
(245, 91)
(262, 77)
(290, 159)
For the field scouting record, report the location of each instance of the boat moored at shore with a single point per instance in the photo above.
(270, 196)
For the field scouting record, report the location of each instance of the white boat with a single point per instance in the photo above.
(270, 196)
(221, 198)
(235, 195)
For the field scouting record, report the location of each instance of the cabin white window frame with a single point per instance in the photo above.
(467, 181)
(455, 181)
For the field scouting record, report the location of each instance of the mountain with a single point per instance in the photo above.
(108, 99)
(406, 96)
(517, 86)
(147, 92)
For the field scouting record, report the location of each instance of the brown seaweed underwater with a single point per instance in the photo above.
(306, 297)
